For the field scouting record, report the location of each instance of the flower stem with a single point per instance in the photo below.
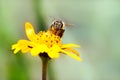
(44, 69)
(45, 60)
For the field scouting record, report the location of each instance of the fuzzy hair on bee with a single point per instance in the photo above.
(57, 27)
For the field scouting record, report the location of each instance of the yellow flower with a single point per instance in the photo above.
(44, 42)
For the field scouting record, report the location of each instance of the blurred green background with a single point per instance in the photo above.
(96, 28)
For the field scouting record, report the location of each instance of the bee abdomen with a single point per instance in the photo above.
(58, 32)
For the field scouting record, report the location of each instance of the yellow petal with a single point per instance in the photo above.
(72, 50)
(54, 51)
(25, 49)
(53, 54)
(34, 52)
(72, 55)
(30, 31)
(15, 48)
(69, 45)
(39, 49)
(23, 42)
(22, 45)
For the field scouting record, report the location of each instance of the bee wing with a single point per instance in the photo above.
(68, 24)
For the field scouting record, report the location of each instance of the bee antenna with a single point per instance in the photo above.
(52, 18)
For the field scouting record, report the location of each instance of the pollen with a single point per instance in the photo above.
(48, 39)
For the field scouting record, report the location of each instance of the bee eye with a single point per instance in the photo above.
(56, 23)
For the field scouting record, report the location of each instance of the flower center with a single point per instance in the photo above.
(48, 39)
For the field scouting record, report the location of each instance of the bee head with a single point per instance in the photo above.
(58, 24)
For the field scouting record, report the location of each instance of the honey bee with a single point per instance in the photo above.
(57, 27)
